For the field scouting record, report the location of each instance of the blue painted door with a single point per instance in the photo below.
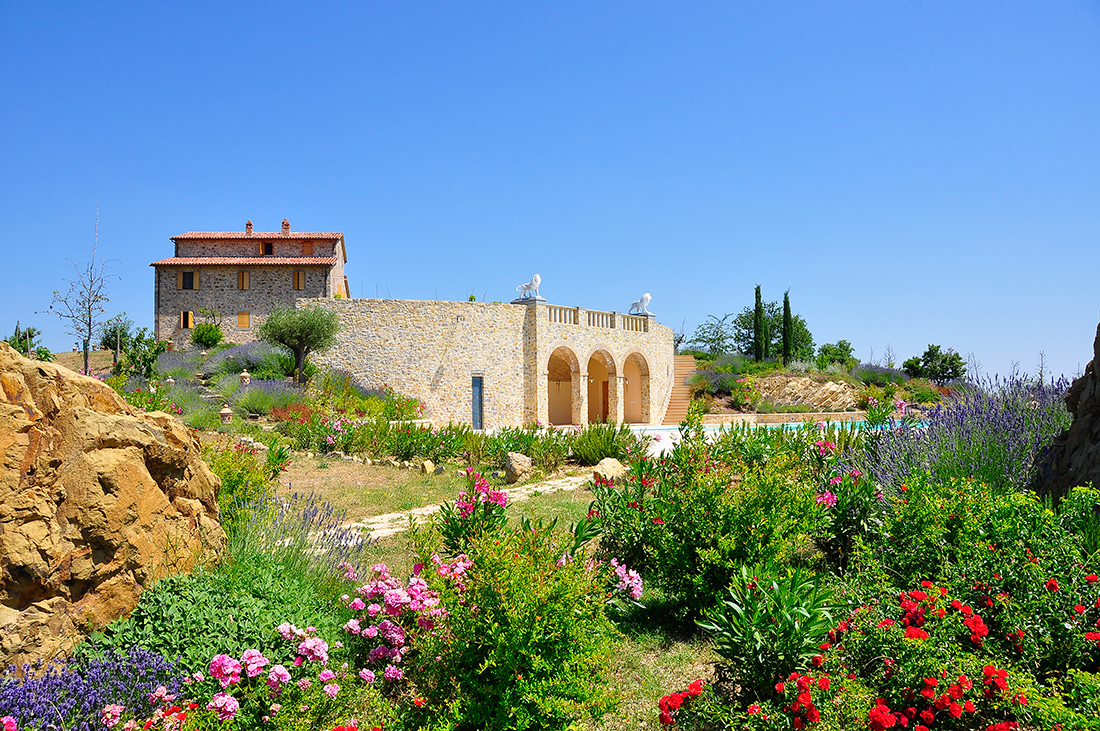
(478, 401)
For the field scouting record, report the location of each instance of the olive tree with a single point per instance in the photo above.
(302, 332)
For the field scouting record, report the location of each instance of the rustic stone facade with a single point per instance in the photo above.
(242, 276)
(536, 362)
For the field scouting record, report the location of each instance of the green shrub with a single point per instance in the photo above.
(597, 441)
(477, 512)
(523, 641)
(548, 448)
(922, 391)
(244, 479)
(771, 624)
(206, 334)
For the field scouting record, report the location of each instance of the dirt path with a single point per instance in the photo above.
(381, 526)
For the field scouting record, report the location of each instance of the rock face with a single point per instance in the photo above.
(1074, 458)
(818, 393)
(516, 467)
(97, 501)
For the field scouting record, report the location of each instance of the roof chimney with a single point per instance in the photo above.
(286, 227)
(248, 227)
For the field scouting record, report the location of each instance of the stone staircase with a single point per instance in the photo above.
(684, 367)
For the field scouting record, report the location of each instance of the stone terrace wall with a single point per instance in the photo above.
(431, 351)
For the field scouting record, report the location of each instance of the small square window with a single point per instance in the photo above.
(187, 320)
(244, 320)
(188, 280)
(269, 248)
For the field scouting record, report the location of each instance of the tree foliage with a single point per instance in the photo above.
(937, 365)
(788, 329)
(759, 329)
(23, 341)
(139, 357)
(715, 335)
(802, 341)
(839, 352)
(302, 331)
(117, 332)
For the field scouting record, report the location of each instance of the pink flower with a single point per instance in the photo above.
(836, 480)
(326, 675)
(110, 713)
(352, 626)
(277, 676)
(357, 604)
(226, 670)
(305, 683)
(315, 649)
(828, 499)
(393, 674)
(254, 662)
(331, 690)
(366, 675)
(225, 705)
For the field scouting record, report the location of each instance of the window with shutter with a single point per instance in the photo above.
(299, 280)
(187, 320)
(307, 248)
(268, 248)
(243, 320)
(189, 280)
(242, 280)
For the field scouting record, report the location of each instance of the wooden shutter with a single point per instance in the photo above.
(196, 279)
(261, 248)
(298, 279)
(307, 248)
(243, 320)
(242, 280)
(179, 279)
(187, 320)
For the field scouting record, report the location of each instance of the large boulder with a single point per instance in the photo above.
(1074, 458)
(516, 467)
(818, 393)
(97, 501)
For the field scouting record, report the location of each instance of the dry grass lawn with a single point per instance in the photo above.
(99, 361)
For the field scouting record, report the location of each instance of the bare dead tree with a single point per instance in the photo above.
(81, 306)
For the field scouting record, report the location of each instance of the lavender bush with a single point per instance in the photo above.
(72, 695)
(181, 365)
(260, 359)
(991, 432)
(871, 374)
(260, 397)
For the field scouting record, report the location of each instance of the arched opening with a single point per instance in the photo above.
(636, 390)
(559, 386)
(601, 395)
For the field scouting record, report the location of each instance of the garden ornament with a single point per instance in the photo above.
(525, 290)
(642, 304)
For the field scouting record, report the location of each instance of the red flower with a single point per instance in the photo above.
(823, 683)
(1092, 578)
(1079, 609)
(954, 710)
(1052, 584)
(915, 633)
(694, 689)
(754, 709)
(779, 688)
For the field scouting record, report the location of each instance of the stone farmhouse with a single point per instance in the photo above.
(486, 364)
(242, 276)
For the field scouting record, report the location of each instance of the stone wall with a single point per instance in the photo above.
(252, 247)
(268, 286)
(432, 350)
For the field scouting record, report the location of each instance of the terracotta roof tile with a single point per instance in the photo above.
(304, 261)
(257, 235)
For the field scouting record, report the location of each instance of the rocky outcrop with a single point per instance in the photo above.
(1074, 458)
(819, 394)
(517, 467)
(97, 501)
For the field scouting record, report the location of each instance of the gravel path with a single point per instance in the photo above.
(389, 524)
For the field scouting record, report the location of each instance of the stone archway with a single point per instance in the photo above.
(562, 381)
(636, 390)
(603, 388)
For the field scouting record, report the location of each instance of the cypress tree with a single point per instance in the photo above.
(758, 328)
(788, 329)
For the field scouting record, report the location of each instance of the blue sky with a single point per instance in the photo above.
(914, 172)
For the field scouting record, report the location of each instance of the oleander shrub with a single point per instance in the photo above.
(524, 637)
(598, 441)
